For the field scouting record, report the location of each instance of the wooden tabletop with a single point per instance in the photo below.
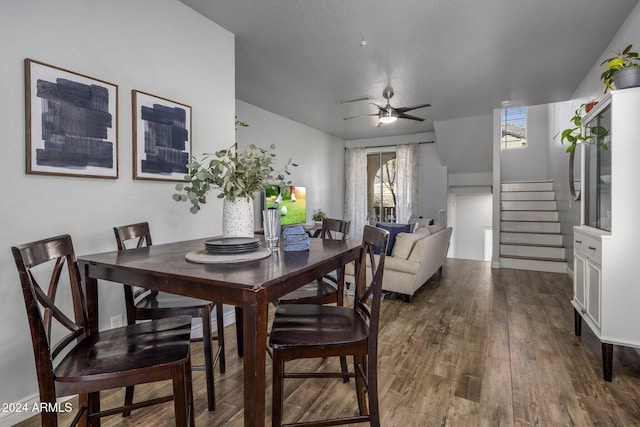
(282, 270)
(249, 286)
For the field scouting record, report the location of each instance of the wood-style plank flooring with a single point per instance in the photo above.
(476, 347)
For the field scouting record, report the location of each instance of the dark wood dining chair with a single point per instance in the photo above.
(144, 304)
(328, 289)
(92, 362)
(302, 331)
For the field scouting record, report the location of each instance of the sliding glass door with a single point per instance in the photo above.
(381, 186)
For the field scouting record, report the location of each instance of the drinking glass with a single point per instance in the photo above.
(271, 221)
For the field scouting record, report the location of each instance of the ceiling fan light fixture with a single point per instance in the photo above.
(387, 116)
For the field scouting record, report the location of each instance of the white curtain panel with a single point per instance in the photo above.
(355, 195)
(407, 169)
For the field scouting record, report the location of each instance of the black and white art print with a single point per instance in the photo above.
(72, 123)
(161, 137)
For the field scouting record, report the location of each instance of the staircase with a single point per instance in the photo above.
(530, 237)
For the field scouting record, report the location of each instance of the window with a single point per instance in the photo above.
(514, 128)
(381, 186)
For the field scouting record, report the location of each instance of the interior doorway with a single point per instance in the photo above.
(470, 215)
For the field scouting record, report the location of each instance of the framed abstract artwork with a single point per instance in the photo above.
(72, 123)
(161, 137)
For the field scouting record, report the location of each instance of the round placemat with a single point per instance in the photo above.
(203, 257)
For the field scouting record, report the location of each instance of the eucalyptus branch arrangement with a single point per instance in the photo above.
(234, 173)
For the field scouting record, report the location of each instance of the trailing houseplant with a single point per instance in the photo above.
(622, 60)
(578, 133)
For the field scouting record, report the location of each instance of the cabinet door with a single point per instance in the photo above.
(593, 283)
(579, 264)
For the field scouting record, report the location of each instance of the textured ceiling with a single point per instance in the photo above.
(296, 58)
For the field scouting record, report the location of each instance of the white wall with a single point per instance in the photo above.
(191, 61)
(433, 175)
(465, 144)
(591, 88)
(319, 156)
(529, 163)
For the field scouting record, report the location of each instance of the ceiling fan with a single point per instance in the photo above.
(389, 114)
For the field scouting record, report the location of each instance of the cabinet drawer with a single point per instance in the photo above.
(588, 246)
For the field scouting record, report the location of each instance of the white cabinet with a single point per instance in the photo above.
(587, 277)
(606, 291)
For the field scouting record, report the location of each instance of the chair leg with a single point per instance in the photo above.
(239, 333)
(220, 332)
(361, 387)
(277, 402)
(208, 357)
(189, 382)
(372, 390)
(180, 396)
(50, 418)
(128, 399)
(345, 369)
(93, 407)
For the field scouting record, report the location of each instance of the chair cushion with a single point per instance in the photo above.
(404, 244)
(316, 325)
(393, 230)
(438, 226)
(425, 231)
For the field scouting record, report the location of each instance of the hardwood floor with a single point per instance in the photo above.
(476, 347)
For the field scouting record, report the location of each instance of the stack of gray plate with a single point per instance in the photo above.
(231, 245)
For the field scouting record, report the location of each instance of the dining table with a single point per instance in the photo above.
(249, 286)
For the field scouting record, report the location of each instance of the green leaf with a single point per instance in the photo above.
(177, 197)
(615, 63)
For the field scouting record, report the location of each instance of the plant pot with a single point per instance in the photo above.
(627, 77)
(237, 217)
(589, 106)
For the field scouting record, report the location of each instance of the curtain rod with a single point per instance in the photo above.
(393, 145)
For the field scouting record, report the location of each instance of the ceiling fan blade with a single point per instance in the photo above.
(376, 105)
(415, 107)
(362, 115)
(410, 117)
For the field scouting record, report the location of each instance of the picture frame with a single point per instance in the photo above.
(71, 123)
(161, 137)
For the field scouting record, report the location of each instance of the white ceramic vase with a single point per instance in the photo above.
(237, 217)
